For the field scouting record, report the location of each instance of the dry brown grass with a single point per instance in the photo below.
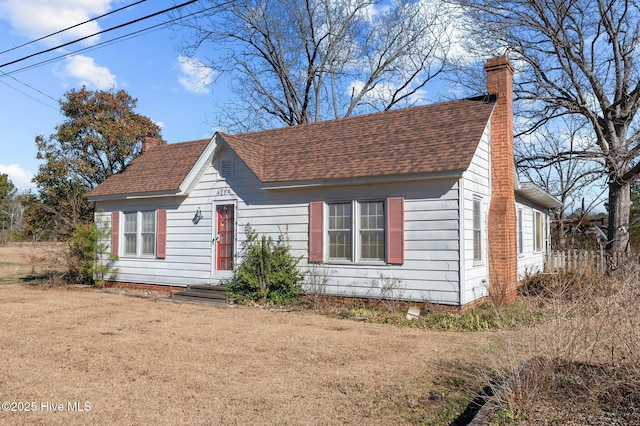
(21, 260)
(582, 367)
(142, 361)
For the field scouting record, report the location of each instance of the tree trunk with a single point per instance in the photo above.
(619, 205)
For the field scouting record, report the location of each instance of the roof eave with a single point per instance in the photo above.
(535, 193)
(137, 196)
(361, 180)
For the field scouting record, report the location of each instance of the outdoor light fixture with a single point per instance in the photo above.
(197, 216)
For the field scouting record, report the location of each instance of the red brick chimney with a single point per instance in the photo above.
(148, 143)
(502, 236)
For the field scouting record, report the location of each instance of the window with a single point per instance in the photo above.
(520, 233)
(340, 231)
(357, 231)
(148, 233)
(372, 230)
(369, 226)
(477, 229)
(130, 233)
(538, 231)
(140, 233)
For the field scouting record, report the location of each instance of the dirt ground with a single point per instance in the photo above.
(82, 356)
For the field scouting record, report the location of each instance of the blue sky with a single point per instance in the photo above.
(170, 91)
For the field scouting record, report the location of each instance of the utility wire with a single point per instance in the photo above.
(28, 95)
(30, 87)
(71, 27)
(104, 43)
(100, 32)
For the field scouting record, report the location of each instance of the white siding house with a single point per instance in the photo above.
(402, 195)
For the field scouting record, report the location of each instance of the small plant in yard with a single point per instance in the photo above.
(316, 282)
(268, 271)
(582, 366)
(390, 291)
(89, 260)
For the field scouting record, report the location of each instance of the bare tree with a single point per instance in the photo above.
(576, 58)
(295, 62)
(559, 157)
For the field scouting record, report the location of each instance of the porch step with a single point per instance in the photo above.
(203, 293)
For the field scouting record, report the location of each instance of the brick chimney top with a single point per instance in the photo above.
(148, 143)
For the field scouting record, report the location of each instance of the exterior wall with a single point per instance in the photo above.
(476, 184)
(438, 258)
(431, 268)
(188, 250)
(531, 261)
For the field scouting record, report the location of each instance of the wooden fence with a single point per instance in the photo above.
(587, 261)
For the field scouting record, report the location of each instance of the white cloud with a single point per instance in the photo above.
(159, 124)
(195, 76)
(20, 177)
(37, 18)
(88, 72)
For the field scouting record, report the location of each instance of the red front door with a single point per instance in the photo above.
(224, 256)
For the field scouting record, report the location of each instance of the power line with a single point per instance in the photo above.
(104, 43)
(100, 32)
(30, 87)
(71, 27)
(29, 96)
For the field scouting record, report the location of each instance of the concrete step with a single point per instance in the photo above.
(203, 293)
(200, 300)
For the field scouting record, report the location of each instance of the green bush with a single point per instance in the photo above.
(268, 271)
(89, 262)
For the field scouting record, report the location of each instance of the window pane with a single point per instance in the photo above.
(130, 233)
(372, 230)
(130, 244)
(477, 230)
(538, 231)
(130, 222)
(149, 222)
(520, 233)
(340, 231)
(148, 233)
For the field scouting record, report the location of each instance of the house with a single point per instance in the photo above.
(425, 198)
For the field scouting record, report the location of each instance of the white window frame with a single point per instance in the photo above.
(355, 232)
(477, 230)
(520, 219)
(538, 232)
(139, 234)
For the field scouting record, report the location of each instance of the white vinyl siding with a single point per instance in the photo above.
(530, 260)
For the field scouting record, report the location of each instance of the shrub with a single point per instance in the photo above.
(268, 271)
(89, 262)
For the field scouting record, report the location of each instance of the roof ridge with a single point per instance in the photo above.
(487, 98)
